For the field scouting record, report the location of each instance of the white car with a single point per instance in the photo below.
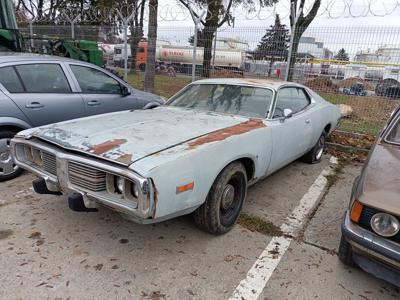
(197, 153)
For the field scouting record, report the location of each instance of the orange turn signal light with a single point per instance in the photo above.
(184, 188)
(356, 211)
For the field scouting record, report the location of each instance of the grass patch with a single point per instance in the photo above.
(257, 224)
(165, 86)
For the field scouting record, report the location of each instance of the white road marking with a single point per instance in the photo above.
(252, 286)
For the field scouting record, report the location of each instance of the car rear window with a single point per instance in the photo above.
(43, 78)
(9, 79)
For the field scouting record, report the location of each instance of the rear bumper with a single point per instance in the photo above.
(373, 253)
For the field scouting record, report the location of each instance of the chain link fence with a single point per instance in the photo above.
(357, 67)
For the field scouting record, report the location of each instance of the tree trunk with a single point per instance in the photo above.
(271, 64)
(210, 27)
(297, 35)
(136, 36)
(151, 48)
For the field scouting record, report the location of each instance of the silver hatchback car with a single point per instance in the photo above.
(36, 90)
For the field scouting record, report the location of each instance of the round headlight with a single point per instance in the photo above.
(119, 184)
(134, 190)
(385, 224)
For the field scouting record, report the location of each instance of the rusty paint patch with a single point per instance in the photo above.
(125, 159)
(223, 134)
(106, 146)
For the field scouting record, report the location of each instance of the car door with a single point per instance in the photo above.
(46, 96)
(101, 92)
(291, 136)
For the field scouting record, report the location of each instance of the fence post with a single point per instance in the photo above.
(72, 22)
(125, 23)
(196, 20)
(215, 49)
(31, 32)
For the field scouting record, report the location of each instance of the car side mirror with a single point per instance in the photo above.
(287, 113)
(125, 91)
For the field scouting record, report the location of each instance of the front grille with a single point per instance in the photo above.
(86, 177)
(365, 221)
(49, 163)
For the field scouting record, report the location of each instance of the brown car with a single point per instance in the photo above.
(371, 226)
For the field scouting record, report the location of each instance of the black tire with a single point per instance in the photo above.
(6, 134)
(345, 253)
(315, 154)
(215, 215)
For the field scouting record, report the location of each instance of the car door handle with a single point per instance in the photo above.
(308, 121)
(93, 103)
(34, 105)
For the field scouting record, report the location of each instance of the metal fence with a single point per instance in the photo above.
(358, 67)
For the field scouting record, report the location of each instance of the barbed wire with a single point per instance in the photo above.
(332, 9)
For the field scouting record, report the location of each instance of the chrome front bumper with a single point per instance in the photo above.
(61, 183)
(367, 243)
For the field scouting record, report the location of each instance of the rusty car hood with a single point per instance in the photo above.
(381, 179)
(126, 137)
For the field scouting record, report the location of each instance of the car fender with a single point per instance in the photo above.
(151, 105)
(10, 121)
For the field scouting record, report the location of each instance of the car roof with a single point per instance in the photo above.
(17, 57)
(273, 84)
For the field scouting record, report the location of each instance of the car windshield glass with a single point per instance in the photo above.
(224, 98)
(394, 134)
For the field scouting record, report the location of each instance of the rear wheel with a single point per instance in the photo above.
(8, 169)
(345, 253)
(222, 207)
(315, 154)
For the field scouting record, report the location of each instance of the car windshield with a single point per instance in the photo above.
(224, 98)
(394, 134)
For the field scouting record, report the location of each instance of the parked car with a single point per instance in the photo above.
(198, 153)
(356, 89)
(37, 89)
(371, 226)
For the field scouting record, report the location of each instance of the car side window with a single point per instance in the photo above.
(293, 98)
(93, 81)
(43, 78)
(9, 79)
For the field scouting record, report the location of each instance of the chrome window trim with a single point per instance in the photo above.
(389, 129)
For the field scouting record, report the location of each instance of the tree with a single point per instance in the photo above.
(219, 12)
(342, 55)
(297, 13)
(136, 29)
(151, 47)
(274, 44)
(200, 39)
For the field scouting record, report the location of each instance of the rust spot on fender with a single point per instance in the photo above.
(106, 146)
(224, 133)
(125, 159)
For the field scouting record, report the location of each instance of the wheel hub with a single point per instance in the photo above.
(7, 165)
(228, 196)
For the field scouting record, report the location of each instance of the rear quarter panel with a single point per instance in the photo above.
(201, 164)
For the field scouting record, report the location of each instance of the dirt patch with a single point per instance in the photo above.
(5, 234)
(322, 84)
(253, 223)
(348, 83)
(226, 74)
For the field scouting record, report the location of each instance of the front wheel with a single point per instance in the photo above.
(8, 169)
(220, 211)
(315, 154)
